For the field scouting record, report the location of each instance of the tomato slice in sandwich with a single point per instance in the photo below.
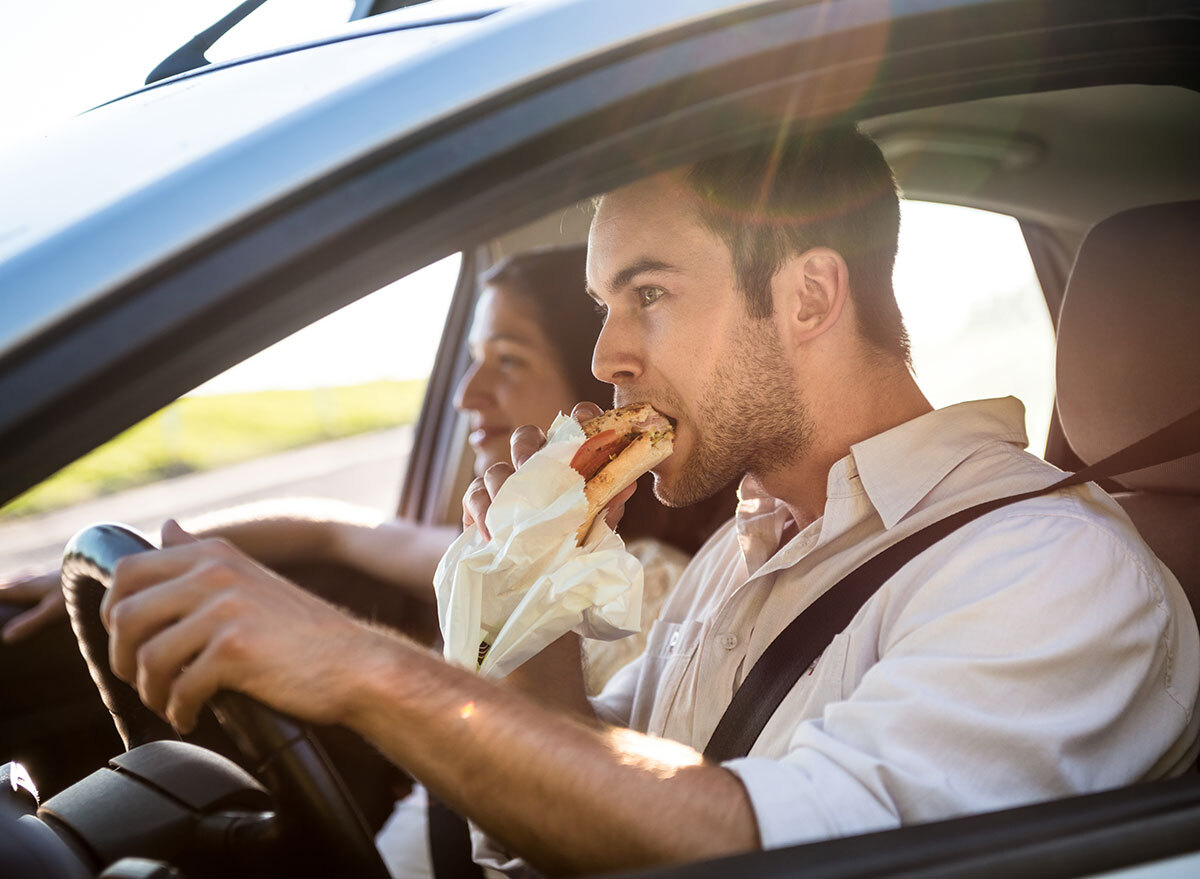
(598, 451)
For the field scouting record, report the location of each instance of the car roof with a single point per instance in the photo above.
(234, 137)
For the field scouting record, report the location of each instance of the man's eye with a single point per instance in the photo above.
(508, 361)
(601, 308)
(650, 295)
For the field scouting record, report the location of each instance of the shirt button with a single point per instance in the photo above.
(674, 641)
(728, 640)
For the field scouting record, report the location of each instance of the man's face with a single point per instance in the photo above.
(677, 335)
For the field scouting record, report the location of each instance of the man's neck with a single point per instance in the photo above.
(859, 410)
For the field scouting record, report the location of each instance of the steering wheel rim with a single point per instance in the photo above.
(314, 803)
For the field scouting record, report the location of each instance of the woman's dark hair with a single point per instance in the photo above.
(552, 282)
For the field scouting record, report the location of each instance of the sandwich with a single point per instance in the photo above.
(621, 445)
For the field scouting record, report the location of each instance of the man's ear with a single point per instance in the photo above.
(812, 289)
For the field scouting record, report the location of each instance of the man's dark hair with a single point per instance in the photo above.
(829, 188)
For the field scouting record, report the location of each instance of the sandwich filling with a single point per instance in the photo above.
(599, 450)
(611, 433)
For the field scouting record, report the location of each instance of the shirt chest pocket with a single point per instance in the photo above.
(827, 675)
(669, 649)
(820, 685)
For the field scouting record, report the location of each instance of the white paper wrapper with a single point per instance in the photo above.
(530, 584)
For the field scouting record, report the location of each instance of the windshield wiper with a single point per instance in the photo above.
(190, 55)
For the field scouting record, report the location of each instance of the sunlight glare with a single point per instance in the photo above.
(974, 310)
(662, 757)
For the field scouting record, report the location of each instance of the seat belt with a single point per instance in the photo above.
(449, 843)
(806, 637)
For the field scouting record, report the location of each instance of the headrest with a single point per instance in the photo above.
(1129, 338)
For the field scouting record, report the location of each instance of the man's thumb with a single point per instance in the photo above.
(174, 535)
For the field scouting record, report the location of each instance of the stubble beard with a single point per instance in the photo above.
(750, 420)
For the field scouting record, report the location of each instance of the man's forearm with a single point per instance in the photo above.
(555, 679)
(567, 796)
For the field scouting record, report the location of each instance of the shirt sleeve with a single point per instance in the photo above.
(1005, 677)
(495, 860)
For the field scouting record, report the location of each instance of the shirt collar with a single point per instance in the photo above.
(760, 520)
(899, 467)
(896, 468)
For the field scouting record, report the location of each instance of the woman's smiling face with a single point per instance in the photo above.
(515, 377)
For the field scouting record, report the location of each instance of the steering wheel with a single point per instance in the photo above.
(314, 805)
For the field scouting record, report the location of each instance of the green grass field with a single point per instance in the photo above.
(199, 433)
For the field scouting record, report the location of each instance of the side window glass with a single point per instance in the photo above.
(975, 312)
(326, 413)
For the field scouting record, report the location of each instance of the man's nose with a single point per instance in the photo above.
(617, 358)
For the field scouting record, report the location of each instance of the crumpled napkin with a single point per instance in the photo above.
(503, 600)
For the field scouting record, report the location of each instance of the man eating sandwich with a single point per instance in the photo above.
(748, 300)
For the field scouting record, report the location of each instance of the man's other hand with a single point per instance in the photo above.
(44, 592)
(524, 442)
(199, 616)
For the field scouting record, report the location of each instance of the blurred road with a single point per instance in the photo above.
(363, 469)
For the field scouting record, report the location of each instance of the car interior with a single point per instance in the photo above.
(1105, 183)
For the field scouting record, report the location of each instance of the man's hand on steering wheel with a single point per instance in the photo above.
(200, 616)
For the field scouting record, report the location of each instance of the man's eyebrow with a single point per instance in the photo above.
(631, 271)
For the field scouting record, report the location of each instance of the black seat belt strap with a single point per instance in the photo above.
(807, 636)
(449, 843)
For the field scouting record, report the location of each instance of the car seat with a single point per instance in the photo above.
(1129, 363)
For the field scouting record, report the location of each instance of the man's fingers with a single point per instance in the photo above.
(616, 507)
(133, 573)
(195, 685)
(585, 411)
(495, 476)
(479, 496)
(161, 659)
(525, 440)
(140, 617)
(174, 535)
(475, 505)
